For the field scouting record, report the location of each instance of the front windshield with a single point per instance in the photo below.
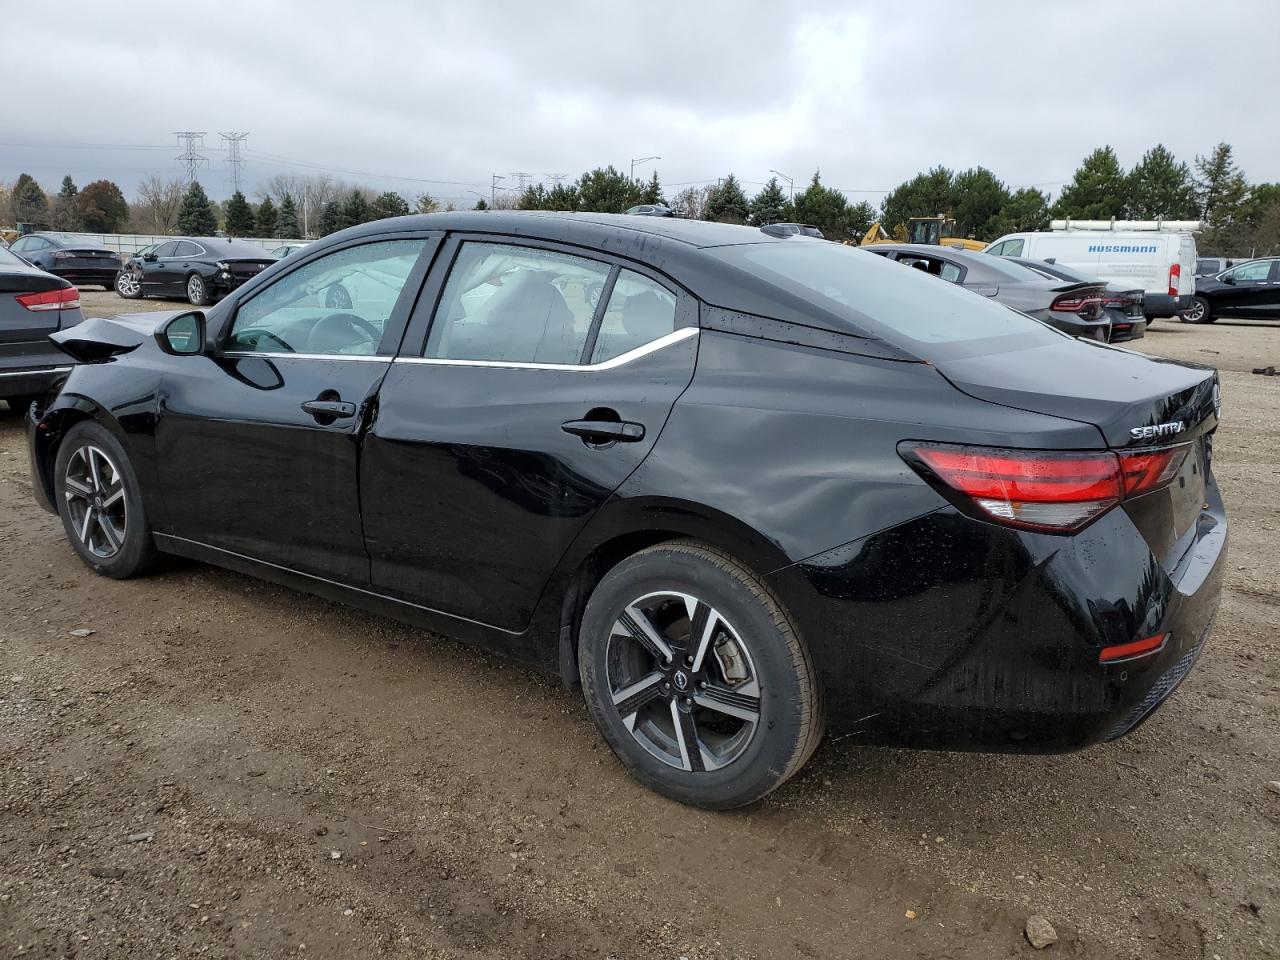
(877, 297)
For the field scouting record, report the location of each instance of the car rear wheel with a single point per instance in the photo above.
(127, 286)
(1199, 312)
(697, 678)
(197, 291)
(100, 503)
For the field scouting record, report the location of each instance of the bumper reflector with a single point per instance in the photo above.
(1127, 651)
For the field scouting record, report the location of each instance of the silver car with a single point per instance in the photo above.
(33, 304)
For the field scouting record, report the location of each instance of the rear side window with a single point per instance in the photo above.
(1259, 270)
(186, 249)
(879, 299)
(167, 249)
(639, 312)
(518, 304)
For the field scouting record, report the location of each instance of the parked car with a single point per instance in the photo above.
(1162, 264)
(1212, 266)
(201, 269)
(1123, 306)
(33, 304)
(774, 487)
(1073, 307)
(69, 257)
(285, 249)
(1249, 289)
(793, 230)
(651, 210)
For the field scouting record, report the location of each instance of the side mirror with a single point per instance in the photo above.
(149, 257)
(1229, 279)
(183, 335)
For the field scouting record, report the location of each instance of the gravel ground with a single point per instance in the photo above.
(225, 768)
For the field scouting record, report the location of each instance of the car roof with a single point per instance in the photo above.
(589, 229)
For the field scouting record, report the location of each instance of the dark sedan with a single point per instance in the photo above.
(1123, 304)
(1249, 289)
(198, 269)
(753, 490)
(33, 304)
(1073, 307)
(70, 257)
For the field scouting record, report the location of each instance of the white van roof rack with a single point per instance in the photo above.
(1128, 226)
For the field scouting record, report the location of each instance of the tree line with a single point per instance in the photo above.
(1240, 218)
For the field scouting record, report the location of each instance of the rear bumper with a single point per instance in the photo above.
(1132, 328)
(32, 380)
(88, 275)
(1163, 305)
(993, 641)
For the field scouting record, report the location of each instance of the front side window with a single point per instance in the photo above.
(166, 250)
(1251, 271)
(338, 304)
(516, 304)
(639, 312)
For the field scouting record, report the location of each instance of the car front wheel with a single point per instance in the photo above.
(697, 678)
(100, 503)
(1200, 311)
(197, 291)
(127, 286)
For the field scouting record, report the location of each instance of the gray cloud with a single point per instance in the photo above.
(871, 93)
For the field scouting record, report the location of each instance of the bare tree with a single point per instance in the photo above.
(158, 203)
(690, 202)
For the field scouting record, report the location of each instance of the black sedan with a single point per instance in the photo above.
(755, 490)
(1123, 304)
(1249, 289)
(1073, 307)
(70, 257)
(198, 269)
(33, 304)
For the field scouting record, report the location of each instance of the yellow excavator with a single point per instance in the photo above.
(938, 230)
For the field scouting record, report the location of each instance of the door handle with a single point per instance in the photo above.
(605, 431)
(326, 411)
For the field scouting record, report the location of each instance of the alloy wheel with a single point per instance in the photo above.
(1195, 313)
(127, 285)
(96, 501)
(195, 290)
(683, 681)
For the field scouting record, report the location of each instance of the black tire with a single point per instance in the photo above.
(756, 634)
(198, 291)
(1201, 312)
(124, 520)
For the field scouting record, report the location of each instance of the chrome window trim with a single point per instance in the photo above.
(34, 371)
(280, 355)
(676, 336)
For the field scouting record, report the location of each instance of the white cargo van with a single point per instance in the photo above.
(1160, 260)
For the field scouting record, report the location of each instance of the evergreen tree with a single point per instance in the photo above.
(427, 203)
(103, 208)
(653, 191)
(1027, 209)
(389, 204)
(480, 205)
(355, 210)
(268, 218)
(27, 202)
(769, 205)
(287, 221)
(1223, 195)
(726, 203)
(829, 210)
(66, 207)
(196, 217)
(331, 218)
(563, 197)
(924, 195)
(1098, 191)
(534, 197)
(977, 199)
(240, 221)
(1161, 188)
(605, 190)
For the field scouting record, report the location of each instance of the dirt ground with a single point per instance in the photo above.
(226, 768)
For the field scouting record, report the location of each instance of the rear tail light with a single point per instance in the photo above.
(1175, 274)
(60, 255)
(66, 298)
(1088, 307)
(1053, 491)
(1127, 651)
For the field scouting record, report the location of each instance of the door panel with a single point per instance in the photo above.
(472, 489)
(1252, 294)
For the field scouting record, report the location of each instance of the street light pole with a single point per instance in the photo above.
(640, 160)
(791, 186)
(477, 193)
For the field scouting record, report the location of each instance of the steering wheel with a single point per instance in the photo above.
(261, 335)
(330, 329)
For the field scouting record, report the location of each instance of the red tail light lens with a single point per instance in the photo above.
(1074, 303)
(1055, 491)
(1175, 273)
(67, 298)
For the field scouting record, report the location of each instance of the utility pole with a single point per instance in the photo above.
(235, 161)
(640, 160)
(190, 140)
(493, 189)
(791, 186)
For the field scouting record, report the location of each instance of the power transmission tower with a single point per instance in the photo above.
(521, 179)
(190, 158)
(235, 160)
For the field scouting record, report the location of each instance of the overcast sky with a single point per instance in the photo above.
(413, 97)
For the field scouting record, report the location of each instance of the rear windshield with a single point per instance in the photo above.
(879, 298)
(8, 258)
